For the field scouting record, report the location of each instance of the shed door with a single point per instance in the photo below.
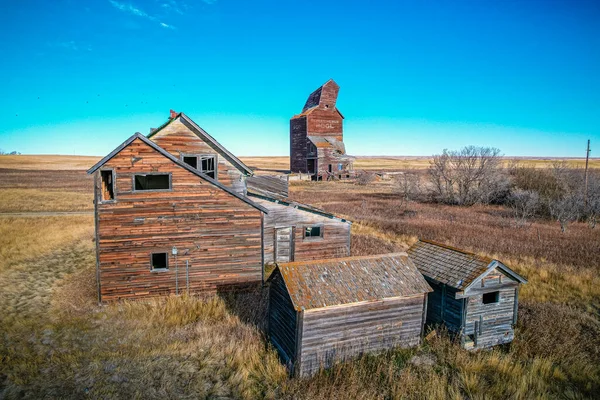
(284, 246)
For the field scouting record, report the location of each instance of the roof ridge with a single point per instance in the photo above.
(341, 259)
(456, 249)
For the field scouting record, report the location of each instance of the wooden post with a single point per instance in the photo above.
(587, 160)
(187, 276)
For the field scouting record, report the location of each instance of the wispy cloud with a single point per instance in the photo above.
(71, 45)
(172, 5)
(133, 10)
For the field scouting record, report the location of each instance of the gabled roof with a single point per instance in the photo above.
(454, 267)
(284, 201)
(175, 160)
(314, 99)
(338, 281)
(202, 134)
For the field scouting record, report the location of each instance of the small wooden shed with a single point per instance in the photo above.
(322, 312)
(475, 297)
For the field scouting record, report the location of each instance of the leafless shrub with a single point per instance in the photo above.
(567, 209)
(524, 204)
(408, 185)
(365, 178)
(467, 176)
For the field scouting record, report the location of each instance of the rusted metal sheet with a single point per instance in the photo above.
(326, 283)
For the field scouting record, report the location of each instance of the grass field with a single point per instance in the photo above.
(56, 342)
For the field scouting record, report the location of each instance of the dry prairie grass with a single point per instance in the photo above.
(56, 342)
(33, 200)
(48, 162)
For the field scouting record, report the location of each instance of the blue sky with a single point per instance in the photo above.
(416, 76)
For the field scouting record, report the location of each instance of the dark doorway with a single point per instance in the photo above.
(311, 165)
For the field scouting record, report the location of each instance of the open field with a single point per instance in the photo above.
(56, 342)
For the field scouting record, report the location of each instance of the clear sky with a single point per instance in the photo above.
(416, 76)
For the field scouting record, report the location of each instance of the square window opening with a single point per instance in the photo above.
(492, 297)
(108, 185)
(315, 231)
(192, 161)
(159, 261)
(152, 182)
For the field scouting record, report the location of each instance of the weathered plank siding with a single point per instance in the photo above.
(334, 334)
(300, 147)
(216, 232)
(334, 243)
(491, 324)
(282, 320)
(178, 138)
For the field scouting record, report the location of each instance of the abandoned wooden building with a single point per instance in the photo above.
(180, 191)
(163, 226)
(294, 231)
(322, 312)
(475, 297)
(317, 137)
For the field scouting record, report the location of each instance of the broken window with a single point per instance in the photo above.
(159, 261)
(207, 166)
(152, 182)
(205, 163)
(492, 297)
(108, 185)
(315, 231)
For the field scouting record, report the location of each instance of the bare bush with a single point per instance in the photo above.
(524, 204)
(408, 185)
(467, 176)
(567, 209)
(365, 178)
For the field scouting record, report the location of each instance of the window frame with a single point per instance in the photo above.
(134, 190)
(114, 186)
(496, 297)
(199, 156)
(152, 269)
(321, 230)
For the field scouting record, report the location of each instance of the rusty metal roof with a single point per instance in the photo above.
(325, 283)
(328, 142)
(449, 265)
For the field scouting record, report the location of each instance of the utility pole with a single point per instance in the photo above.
(587, 160)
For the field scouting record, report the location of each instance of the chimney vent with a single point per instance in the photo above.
(173, 114)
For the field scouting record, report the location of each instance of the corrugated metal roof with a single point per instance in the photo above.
(324, 283)
(449, 265)
(328, 142)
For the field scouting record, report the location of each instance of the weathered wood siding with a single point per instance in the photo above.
(300, 146)
(178, 138)
(219, 234)
(491, 324)
(443, 307)
(334, 243)
(333, 334)
(282, 320)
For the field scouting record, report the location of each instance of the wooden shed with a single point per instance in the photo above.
(317, 137)
(164, 227)
(294, 231)
(475, 297)
(322, 312)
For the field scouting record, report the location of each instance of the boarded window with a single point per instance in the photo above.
(159, 261)
(192, 161)
(208, 166)
(152, 182)
(315, 231)
(108, 185)
(492, 297)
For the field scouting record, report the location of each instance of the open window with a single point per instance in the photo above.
(159, 262)
(492, 297)
(152, 182)
(205, 163)
(313, 232)
(107, 185)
